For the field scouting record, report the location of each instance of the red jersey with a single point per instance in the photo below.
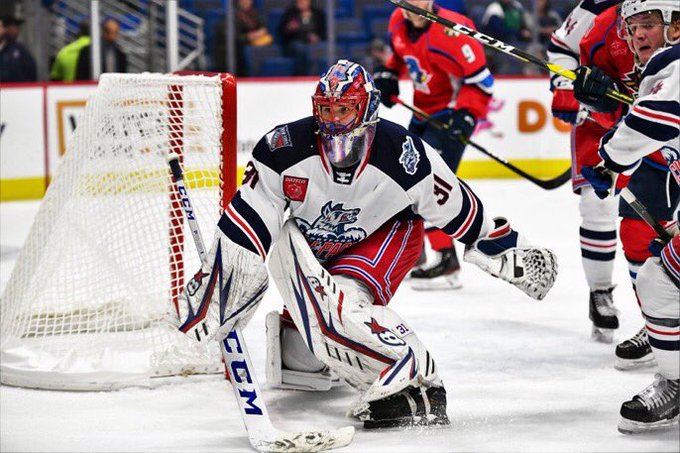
(448, 70)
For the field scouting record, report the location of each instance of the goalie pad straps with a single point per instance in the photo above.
(506, 254)
(230, 290)
(339, 323)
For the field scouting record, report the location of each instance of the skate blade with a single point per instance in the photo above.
(647, 361)
(408, 422)
(601, 335)
(632, 427)
(441, 283)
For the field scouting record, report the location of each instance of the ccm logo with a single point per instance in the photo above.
(186, 203)
(240, 374)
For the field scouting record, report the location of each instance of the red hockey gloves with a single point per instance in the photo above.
(564, 106)
(590, 88)
(387, 81)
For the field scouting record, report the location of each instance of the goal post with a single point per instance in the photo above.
(87, 304)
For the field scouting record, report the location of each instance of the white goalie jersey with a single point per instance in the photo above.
(400, 177)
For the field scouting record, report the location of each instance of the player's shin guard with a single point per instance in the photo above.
(369, 346)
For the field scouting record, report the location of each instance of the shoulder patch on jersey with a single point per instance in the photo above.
(409, 156)
(294, 188)
(279, 138)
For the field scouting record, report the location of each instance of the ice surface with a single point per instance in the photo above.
(521, 375)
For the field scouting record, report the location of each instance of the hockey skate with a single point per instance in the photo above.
(656, 407)
(410, 407)
(635, 353)
(603, 314)
(441, 273)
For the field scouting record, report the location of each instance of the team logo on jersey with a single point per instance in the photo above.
(418, 75)
(672, 157)
(632, 80)
(656, 88)
(278, 138)
(409, 156)
(330, 233)
(294, 188)
(384, 334)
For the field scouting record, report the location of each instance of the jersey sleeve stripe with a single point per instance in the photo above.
(252, 219)
(239, 222)
(557, 46)
(468, 223)
(665, 110)
(650, 126)
(671, 262)
(236, 234)
(482, 79)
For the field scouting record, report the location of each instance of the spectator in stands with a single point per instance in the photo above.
(112, 56)
(250, 31)
(16, 62)
(302, 24)
(64, 66)
(507, 21)
(453, 5)
(548, 21)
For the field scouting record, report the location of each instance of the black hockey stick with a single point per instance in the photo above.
(263, 436)
(502, 47)
(547, 184)
(642, 211)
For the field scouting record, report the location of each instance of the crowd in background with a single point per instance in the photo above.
(291, 41)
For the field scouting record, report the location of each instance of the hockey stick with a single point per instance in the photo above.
(263, 436)
(547, 184)
(502, 47)
(642, 211)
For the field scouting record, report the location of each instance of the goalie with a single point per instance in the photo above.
(357, 189)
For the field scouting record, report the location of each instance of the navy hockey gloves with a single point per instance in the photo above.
(590, 88)
(601, 179)
(387, 81)
(462, 124)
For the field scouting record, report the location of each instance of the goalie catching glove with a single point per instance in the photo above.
(506, 254)
(218, 296)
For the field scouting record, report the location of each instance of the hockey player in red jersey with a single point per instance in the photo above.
(453, 84)
(355, 189)
(602, 49)
(652, 30)
(598, 217)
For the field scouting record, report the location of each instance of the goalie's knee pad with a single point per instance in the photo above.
(290, 364)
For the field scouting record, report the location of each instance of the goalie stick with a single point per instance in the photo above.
(501, 46)
(547, 184)
(263, 436)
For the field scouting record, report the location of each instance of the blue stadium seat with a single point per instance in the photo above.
(371, 13)
(273, 19)
(255, 57)
(276, 67)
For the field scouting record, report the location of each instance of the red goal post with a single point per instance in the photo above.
(105, 261)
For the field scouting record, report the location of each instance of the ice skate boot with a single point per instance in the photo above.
(441, 273)
(635, 353)
(654, 408)
(410, 407)
(603, 314)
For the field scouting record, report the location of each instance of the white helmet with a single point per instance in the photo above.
(630, 8)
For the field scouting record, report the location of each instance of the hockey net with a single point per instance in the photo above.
(105, 260)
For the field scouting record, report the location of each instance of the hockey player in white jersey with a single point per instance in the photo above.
(652, 30)
(356, 189)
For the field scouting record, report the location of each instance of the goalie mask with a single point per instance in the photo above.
(346, 112)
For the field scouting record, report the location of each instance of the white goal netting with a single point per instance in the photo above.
(107, 256)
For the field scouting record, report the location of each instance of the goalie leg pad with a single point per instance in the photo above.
(506, 254)
(336, 317)
(230, 290)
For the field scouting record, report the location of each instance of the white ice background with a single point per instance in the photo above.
(521, 375)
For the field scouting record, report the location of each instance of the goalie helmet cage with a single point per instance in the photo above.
(105, 260)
